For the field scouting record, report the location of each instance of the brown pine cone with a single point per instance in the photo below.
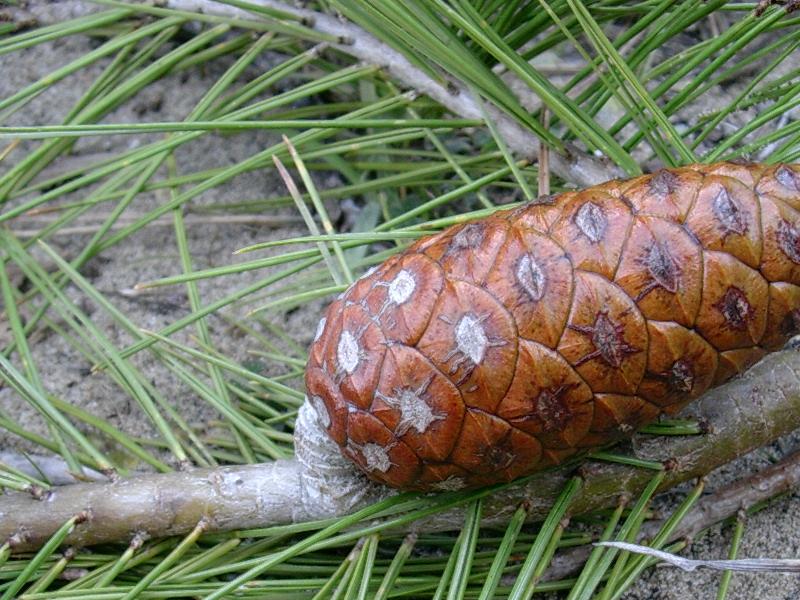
(505, 345)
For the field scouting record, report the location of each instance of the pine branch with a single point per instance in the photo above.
(156, 505)
(578, 168)
(748, 412)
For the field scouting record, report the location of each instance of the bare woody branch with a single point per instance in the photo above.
(155, 505)
(745, 414)
(578, 168)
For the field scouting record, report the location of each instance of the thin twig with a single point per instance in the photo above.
(544, 159)
(579, 168)
(726, 502)
(713, 508)
(774, 565)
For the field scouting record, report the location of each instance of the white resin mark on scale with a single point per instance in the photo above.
(414, 410)
(320, 328)
(347, 352)
(402, 287)
(376, 457)
(471, 339)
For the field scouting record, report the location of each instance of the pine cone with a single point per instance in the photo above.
(505, 345)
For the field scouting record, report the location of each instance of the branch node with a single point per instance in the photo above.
(138, 540)
(671, 464)
(19, 538)
(73, 574)
(83, 516)
(203, 524)
(111, 473)
(546, 199)
(587, 470)
(38, 492)
(318, 49)
(741, 515)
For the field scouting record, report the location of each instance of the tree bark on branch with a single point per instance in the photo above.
(747, 413)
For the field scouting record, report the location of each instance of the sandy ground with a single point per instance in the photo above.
(152, 254)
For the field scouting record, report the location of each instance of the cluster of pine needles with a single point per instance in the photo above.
(628, 81)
